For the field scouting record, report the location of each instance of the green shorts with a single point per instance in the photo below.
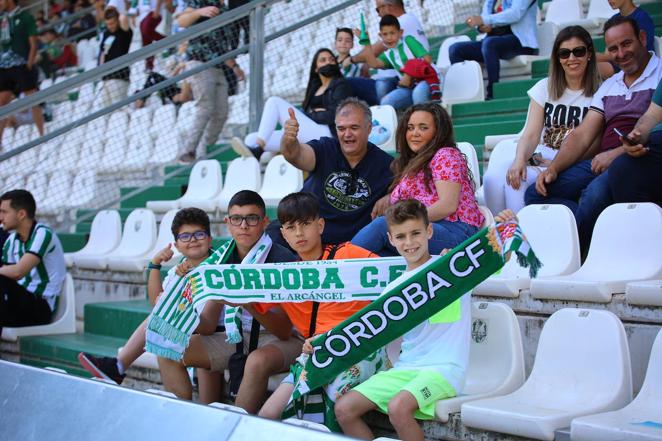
(427, 387)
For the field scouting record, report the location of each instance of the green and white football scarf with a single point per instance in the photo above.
(173, 319)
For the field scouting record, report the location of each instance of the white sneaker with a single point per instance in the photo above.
(242, 150)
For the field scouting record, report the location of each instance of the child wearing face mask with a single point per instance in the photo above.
(326, 88)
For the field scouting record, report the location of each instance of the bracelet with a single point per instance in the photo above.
(152, 266)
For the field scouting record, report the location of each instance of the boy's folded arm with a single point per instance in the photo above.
(209, 317)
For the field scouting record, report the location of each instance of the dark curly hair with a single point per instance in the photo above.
(190, 216)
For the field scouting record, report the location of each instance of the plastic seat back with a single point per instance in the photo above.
(627, 233)
(563, 11)
(650, 394)
(59, 189)
(83, 188)
(443, 60)
(165, 235)
(242, 174)
(205, 181)
(105, 233)
(463, 83)
(487, 214)
(37, 184)
(600, 9)
(139, 124)
(472, 161)
(138, 235)
(164, 116)
(496, 358)
(388, 119)
(168, 147)
(280, 179)
(582, 359)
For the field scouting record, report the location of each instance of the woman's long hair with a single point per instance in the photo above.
(314, 81)
(557, 83)
(408, 162)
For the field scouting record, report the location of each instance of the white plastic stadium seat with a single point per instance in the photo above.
(496, 357)
(163, 120)
(37, 184)
(563, 11)
(228, 407)
(599, 12)
(139, 263)
(83, 189)
(204, 185)
(139, 125)
(64, 318)
(472, 161)
(105, 235)
(138, 237)
(582, 367)
(242, 174)
(168, 147)
(443, 60)
(613, 260)
(280, 179)
(639, 420)
(552, 232)
(463, 83)
(307, 424)
(138, 153)
(387, 118)
(114, 153)
(487, 214)
(57, 193)
(647, 292)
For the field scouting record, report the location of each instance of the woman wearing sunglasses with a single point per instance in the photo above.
(558, 104)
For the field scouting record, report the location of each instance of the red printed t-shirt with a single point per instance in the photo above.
(329, 314)
(448, 164)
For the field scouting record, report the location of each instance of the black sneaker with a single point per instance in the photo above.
(101, 367)
(246, 151)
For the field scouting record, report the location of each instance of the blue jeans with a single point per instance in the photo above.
(403, 97)
(638, 179)
(489, 51)
(372, 91)
(582, 192)
(445, 234)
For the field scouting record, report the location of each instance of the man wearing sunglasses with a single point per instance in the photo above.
(578, 175)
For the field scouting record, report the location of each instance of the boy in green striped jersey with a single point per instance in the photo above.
(399, 50)
(33, 267)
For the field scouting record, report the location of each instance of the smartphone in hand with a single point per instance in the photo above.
(625, 138)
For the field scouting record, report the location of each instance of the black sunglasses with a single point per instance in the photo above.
(578, 52)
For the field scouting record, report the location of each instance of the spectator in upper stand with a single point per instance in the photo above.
(115, 42)
(510, 26)
(80, 28)
(627, 8)
(348, 175)
(32, 267)
(18, 54)
(372, 90)
(326, 89)
(580, 183)
(558, 105)
(209, 87)
(343, 44)
(55, 53)
(400, 51)
(149, 16)
(102, 5)
(637, 176)
(431, 169)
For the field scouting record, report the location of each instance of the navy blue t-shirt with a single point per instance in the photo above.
(347, 195)
(645, 23)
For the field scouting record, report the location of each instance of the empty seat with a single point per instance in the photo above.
(563, 11)
(242, 174)
(280, 179)
(64, 317)
(105, 235)
(386, 117)
(639, 420)
(114, 154)
(599, 12)
(552, 232)
(647, 292)
(204, 185)
(496, 357)
(57, 193)
(138, 237)
(463, 83)
(91, 154)
(83, 189)
(168, 147)
(487, 214)
(141, 119)
(443, 61)
(164, 119)
(582, 367)
(613, 260)
(138, 153)
(139, 263)
(37, 184)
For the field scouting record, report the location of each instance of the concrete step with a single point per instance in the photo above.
(497, 106)
(115, 319)
(155, 193)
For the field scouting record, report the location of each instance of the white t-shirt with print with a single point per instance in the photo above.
(568, 111)
(439, 347)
